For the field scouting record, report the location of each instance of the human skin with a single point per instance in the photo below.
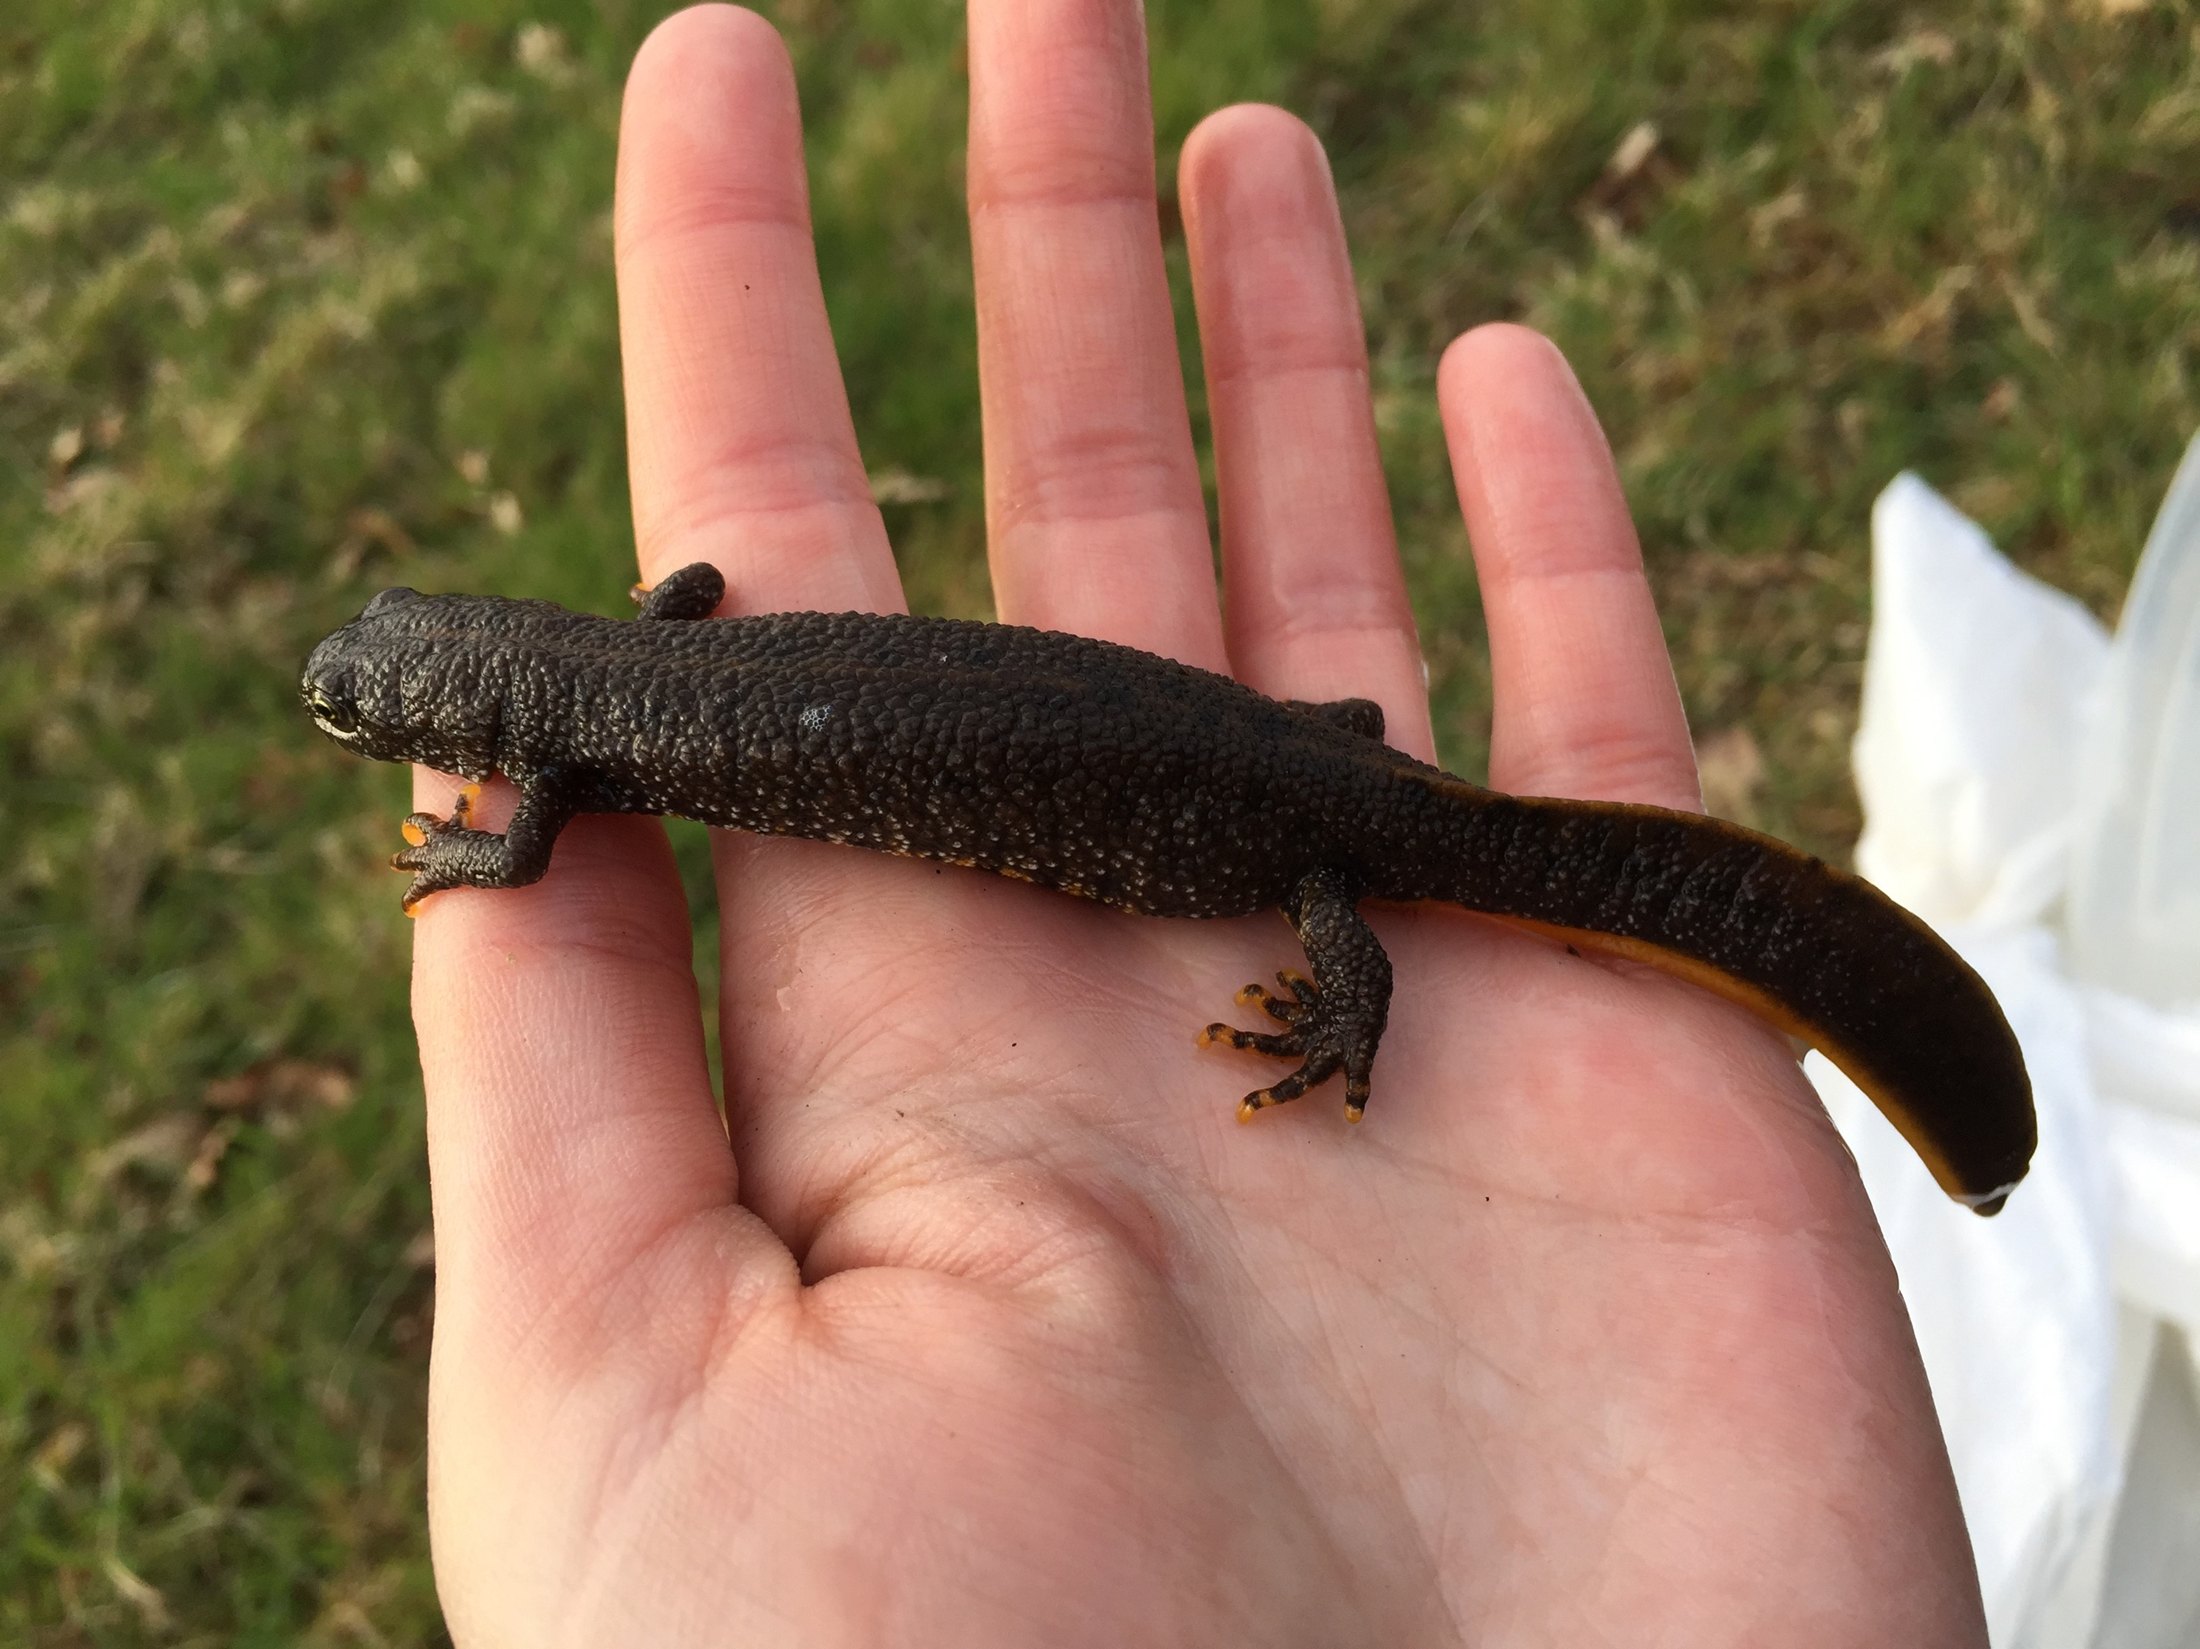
(980, 1320)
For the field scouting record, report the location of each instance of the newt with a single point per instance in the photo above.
(1159, 789)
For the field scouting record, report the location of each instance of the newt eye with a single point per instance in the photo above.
(331, 714)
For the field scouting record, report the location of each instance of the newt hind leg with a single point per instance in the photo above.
(1333, 1021)
(692, 592)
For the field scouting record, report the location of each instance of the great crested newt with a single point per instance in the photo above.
(1157, 788)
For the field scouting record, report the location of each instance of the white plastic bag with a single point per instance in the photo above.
(1976, 699)
(1979, 689)
(2003, 739)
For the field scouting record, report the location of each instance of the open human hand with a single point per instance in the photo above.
(989, 1324)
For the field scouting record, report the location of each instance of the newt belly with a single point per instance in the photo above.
(1160, 789)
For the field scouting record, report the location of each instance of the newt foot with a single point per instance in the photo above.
(437, 851)
(1324, 1040)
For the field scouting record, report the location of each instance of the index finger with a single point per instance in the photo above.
(571, 1118)
(740, 446)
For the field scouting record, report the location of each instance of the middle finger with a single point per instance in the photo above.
(1094, 513)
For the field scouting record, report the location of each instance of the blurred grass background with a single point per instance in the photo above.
(300, 297)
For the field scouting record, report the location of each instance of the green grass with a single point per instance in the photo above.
(302, 297)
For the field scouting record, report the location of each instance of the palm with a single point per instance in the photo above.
(994, 1326)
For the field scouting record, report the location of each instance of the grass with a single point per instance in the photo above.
(300, 297)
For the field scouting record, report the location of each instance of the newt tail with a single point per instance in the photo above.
(1818, 952)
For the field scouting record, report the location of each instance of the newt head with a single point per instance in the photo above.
(413, 678)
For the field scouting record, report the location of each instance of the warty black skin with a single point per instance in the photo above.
(1158, 788)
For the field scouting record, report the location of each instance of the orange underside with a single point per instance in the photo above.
(1774, 1012)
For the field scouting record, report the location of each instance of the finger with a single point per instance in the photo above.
(740, 445)
(570, 1108)
(570, 1117)
(1094, 512)
(1585, 700)
(1315, 603)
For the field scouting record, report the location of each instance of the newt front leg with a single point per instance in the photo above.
(1333, 1021)
(447, 853)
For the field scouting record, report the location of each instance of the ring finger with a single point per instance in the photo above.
(1316, 601)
